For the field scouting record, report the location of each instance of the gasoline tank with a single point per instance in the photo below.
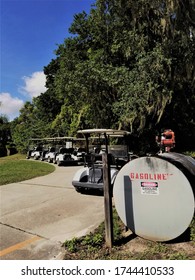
(154, 196)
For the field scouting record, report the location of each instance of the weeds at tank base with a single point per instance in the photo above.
(128, 246)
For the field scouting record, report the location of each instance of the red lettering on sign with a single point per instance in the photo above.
(132, 176)
(149, 176)
(164, 176)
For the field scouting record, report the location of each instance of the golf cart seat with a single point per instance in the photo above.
(95, 175)
(92, 158)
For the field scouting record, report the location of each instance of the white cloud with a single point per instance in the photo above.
(34, 84)
(9, 105)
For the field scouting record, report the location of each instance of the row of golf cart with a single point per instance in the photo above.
(58, 150)
(87, 150)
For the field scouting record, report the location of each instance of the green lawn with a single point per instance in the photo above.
(16, 168)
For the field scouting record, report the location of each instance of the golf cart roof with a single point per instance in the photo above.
(56, 138)
(102, 131)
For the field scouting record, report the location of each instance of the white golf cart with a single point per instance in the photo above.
(35, 148)
(49, 155)
(90, 177)
(51, 149)
(70, 153)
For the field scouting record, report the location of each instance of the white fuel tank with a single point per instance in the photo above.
(154, 196)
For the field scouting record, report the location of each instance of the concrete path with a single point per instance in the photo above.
(38, 215)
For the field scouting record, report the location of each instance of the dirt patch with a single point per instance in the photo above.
(139, 248)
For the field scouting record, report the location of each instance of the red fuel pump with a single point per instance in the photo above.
(166, 141)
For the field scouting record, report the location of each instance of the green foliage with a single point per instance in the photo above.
(190, 153)
(130, 65)
(192, 231)
(117, 225)
(4, 130)
(91, 243)
(28, 125)
(5, 135)
(71, 245)
(178, 256)
(93, 240)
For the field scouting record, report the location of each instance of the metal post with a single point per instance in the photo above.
(87, 143)
(107, 200)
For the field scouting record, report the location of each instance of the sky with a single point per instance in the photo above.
(30, 32)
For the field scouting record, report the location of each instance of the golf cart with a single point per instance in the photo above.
(90, 177)
(49, 155)
(50, 152)
(42, 148)
(69, 154)
(35, 148)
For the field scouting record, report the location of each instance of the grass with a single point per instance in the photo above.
(128, 246)
(16, 168)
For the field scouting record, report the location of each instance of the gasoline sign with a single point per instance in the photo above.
(154, 198)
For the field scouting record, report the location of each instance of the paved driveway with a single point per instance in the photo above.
(38, 215)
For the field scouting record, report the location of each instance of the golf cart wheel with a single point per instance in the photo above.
(81, 190)
(78, 189)
(58, 162)
(49, 160)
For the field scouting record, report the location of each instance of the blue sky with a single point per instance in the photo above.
(30, 32)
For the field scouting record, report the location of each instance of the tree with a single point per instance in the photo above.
(28, 125)
(5, 135)
(4, 130)
(129, 64)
